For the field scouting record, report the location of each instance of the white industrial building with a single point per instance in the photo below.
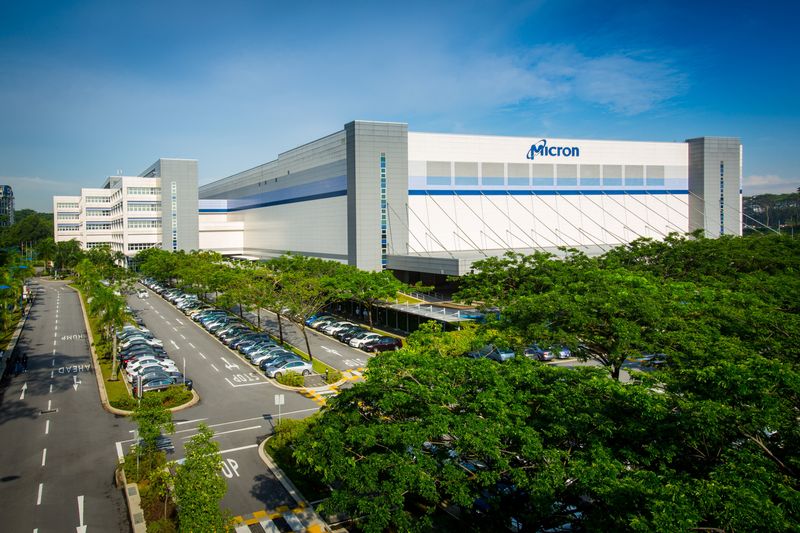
(424, 205)
(132, 213)
(378, 196)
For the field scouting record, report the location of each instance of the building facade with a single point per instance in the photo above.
(378, 196)
(6, 206)
(425, 205)
(158, 208)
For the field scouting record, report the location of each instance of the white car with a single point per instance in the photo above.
(300, 367)
(143, 294)
(139, 363)
(146, 367)
(141, 339)
(336, 327)
(362, 338)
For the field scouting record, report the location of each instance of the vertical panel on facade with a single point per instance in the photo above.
(375, 149)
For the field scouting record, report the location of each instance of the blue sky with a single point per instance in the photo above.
(87, 88)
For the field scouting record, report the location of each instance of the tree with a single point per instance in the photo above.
(46, 251)
(552, 448)
(199, 488)
(307, 284)
(368, 288)
(152, 419)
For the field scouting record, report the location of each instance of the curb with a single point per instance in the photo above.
(99, 372)
(12, 343)
(289, 486)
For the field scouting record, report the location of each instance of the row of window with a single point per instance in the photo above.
(97, 199)
(68, 216)
(445, 173)
(68, 227)
(134, 223)
(138, 246)
(144, 190)
(91, 245)
(95, 212)
(144, 206)
(67, 205)
(102, 226)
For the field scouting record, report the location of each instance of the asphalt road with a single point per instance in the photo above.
(56, 473)
(237, 402)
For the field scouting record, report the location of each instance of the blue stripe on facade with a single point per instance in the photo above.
(528, 192)
(332, 194)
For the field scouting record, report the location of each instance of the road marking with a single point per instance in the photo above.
(226, 432)
(247, 384)
(330, 351)
(44, 456)
(47, 427)
(201, 355)
(24, 388)
(215, 368)
(175, 345)
(190, 421)
(228, 365)
(183, 336)
(51, 374)
(54, 362)
(174, 328)
(54, 351)
(51, 389)
(39, 497)
(54, 342)
(190, 344)
(81, 527)
(49, 406)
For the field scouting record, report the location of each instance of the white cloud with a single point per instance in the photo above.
(769, 183)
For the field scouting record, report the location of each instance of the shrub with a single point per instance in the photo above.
(292, 379)
(162, 525)
(333, 376)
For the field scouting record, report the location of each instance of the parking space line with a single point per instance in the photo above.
(246, 384)
(226, 432)
(190, 421)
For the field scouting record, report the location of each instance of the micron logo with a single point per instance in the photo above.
(541, 149)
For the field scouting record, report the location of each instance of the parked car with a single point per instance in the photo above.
(319, 324)
(382, 344)
(277, 360)
(491, 351)
(332, 329)
(317, 317)
(362, 338)
(303, 368)
(250, 338)
(160, 384)
(254, 348)
(534, 351)
(348, 333)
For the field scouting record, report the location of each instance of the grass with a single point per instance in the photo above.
(406, 299)
(8, 332)
(280, 448)
(118, 394)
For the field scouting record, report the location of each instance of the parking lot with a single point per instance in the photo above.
(237, 403)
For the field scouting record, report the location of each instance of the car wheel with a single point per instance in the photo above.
(278, 375)
(306, 372)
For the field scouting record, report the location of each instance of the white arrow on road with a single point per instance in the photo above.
(24, 388)
(81, 528)
(329, 350)
(75, 382)
(229, 365)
